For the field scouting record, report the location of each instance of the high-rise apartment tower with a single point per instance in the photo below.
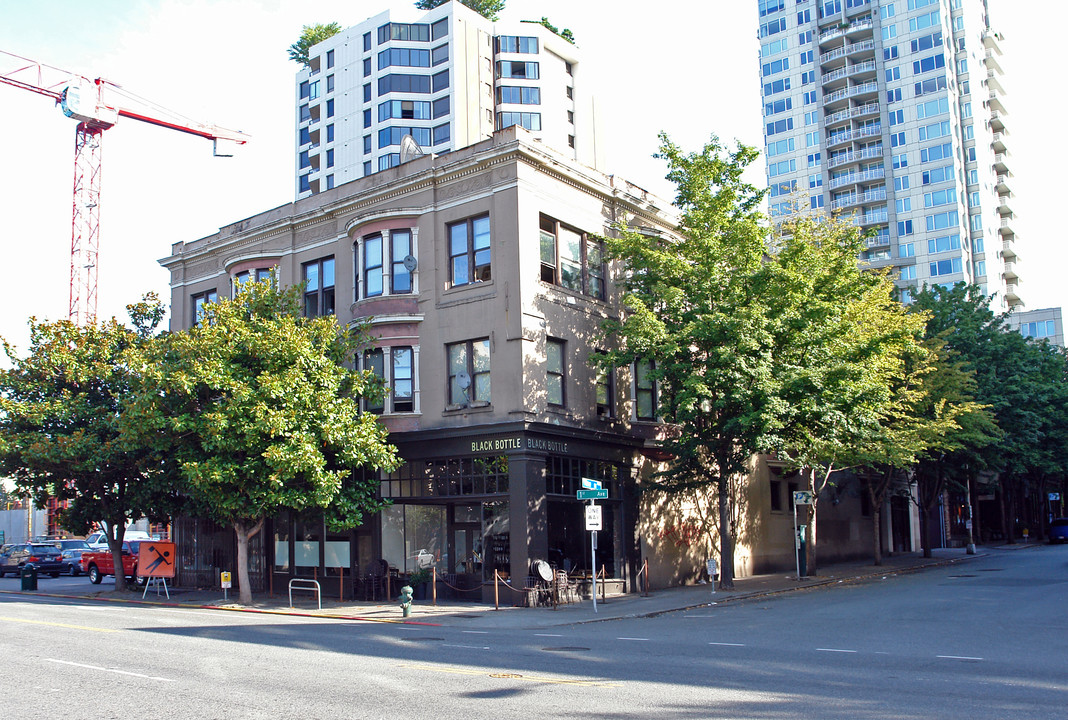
(448, 78)
(892, 112)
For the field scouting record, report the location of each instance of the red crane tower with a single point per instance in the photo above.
(84, 100)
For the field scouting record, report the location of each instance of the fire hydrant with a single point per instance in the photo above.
(406, 600)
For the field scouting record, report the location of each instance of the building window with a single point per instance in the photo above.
(374, 362)
(318, 278)
(517, 44)
(571, 259)
(372, 265)
(401, 380)
(200, 300)
(531, 121)
(442, 134)
(469, 372)
(329, 59)
(469, 251)
(517, 69)
(401, 247)
(776, 496)
(644, 390)
(441, 107)
(604, 390)
(439, 54)
(554, 372)
(440, 80)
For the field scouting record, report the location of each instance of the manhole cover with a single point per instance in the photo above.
(505, 675)
(566, 648)
(422, 639)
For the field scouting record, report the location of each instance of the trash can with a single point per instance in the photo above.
(29, 577)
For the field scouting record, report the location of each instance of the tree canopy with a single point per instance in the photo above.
(311, 35)
(488, 9)
(61, 409)
(261, 414)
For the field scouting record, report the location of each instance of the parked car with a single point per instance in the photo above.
(98, 563)
(1058, 530)
(71, 555)
(99, 539)
(43, 556)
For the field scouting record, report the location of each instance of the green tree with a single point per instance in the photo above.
(691, 305)
(565, 33)
(258, 408)
(488, 9)
(838, 339)
(311, 35)
(61, 412)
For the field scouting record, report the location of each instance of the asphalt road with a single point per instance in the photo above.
(984, 639)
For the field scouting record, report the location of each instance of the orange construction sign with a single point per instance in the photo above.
(155, 558)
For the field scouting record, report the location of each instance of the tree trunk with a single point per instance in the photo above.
(726, 537)
(244, 534)
(810, 539)
(115, 534)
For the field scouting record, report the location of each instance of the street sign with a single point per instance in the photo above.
(1054, 497)
(155, 558)
(802, 497)
(592, 494)
(224, 578)
(588, 484)
(593, 517)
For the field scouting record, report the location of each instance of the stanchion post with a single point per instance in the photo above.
(434, 584)
(496, 591)
(341, 584)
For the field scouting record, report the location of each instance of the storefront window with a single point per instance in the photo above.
(414, 536)
(281, 543)
(495, 528)
(337, 554)
(308, 536)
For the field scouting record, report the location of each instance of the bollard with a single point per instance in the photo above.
(406, 600)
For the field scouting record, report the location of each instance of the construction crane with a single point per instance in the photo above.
(96, 105)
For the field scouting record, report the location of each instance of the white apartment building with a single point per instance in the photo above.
(891, 111)
(1045, 323)
(448, 78)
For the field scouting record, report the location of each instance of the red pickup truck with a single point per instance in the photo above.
(99, 563)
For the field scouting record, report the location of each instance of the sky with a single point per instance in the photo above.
(688, 68)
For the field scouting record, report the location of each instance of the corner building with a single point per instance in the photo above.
(484, 284)
(448, 78)
(893, 113)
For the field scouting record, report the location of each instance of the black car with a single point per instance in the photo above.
(72, 555)
(46, 557)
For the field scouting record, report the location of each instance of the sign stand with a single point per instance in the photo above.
(591, 490)
(156, 581)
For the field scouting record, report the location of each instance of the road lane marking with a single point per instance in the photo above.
(834, 650)
(727, 644)
(62, 625)
(476, 632)
(466, 647)
(547, 635)
(958, 657)
(630, 638)
(531, 678)
(110, 670)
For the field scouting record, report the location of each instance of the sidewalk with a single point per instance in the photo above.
(454, 613)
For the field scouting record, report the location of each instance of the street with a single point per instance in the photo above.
(980, 639)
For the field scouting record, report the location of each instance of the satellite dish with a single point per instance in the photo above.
(409, 149)
(464, 380)
(409, 263)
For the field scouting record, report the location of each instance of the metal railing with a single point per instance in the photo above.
(866, 66)
(857, 177)
(865, 109)
(308, 585)
(847, 50)
(854, 156)
(868, 87)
